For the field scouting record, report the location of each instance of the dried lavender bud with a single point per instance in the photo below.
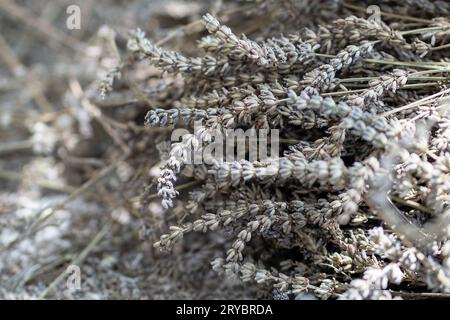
(173, 61)
(243, 46)
(377, 88)
(326, 73)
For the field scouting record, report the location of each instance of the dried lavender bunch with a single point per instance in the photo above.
(339, 117)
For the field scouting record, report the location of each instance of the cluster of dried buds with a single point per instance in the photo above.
(364, 131)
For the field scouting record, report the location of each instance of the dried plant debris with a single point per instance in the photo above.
(126, 170)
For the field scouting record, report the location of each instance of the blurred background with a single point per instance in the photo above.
(77, 213)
